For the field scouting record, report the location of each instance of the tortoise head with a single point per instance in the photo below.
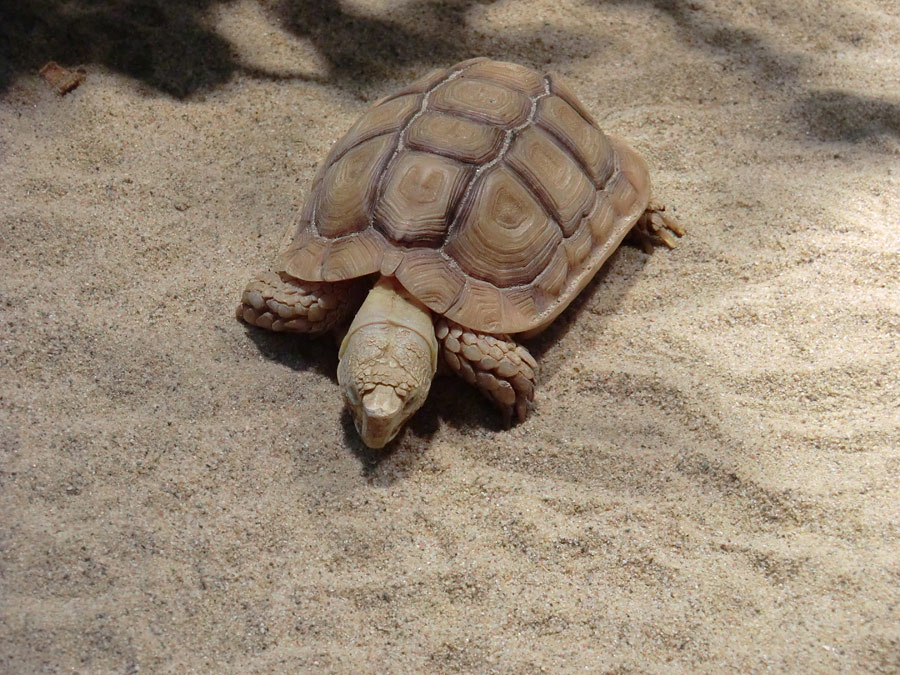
(387, 362)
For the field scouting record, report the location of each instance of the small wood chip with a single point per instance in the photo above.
(61, 79)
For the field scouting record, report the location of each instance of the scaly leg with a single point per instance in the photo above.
(502, 369)
(279, 302)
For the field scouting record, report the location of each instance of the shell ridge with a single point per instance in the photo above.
(477, 176)
(452, 73)
(401, 144)
(463, 289)
(323, 263)
(538, 194)
(360, 141)
(461, 114)
(576, 108)
(563, 145)
(315, 196)
(441, 152)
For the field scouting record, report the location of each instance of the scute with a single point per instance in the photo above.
(428, 274)
(561, 89)
(345, 195)
(511, 75)
(482, 101)
(584, 141)
(505, 237)
(479, 304)
(456, 137)
(420, 85)
(486, 189)
(553, 175)
(354, 255)
(419, 191)
(380, 119)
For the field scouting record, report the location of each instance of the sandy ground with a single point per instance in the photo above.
(709, 479)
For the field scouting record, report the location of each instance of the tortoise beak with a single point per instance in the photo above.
(380, 416)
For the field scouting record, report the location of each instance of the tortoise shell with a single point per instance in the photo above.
(486, 189)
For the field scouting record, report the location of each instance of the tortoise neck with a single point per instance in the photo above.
(390, 304)
(387, 361)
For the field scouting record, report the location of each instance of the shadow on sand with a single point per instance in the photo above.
(171, 47)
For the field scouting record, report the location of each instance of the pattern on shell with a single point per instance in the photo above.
(486, 189)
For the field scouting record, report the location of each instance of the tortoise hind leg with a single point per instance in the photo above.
(653, 226)
(500, 368)
(279, 302)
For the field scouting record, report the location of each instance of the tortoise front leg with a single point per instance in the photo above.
(502, 369)
(279, 302)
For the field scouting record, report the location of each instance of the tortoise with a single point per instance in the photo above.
(473, 205)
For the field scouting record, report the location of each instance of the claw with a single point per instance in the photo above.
(667, 238)
(654, 225)
(668, 222)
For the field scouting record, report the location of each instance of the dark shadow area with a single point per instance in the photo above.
(370, 459)
(463, 407)
(165, 44)
(842, 116)
(170, 46)
(458, 404)
(298, 352)
(450, 399)
(829, 115)
(744, 46)
(361, 50)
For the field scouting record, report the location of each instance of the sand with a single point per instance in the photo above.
(708, 481)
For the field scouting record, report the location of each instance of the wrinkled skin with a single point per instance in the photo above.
(387, 362)
(385, 374)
